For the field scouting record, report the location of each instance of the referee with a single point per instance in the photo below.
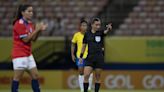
(95, 59)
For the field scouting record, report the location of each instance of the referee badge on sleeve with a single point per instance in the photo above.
(97, 38)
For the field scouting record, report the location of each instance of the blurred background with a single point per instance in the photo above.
(134, 50)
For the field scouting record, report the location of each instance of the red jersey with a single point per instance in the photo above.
(21, 29)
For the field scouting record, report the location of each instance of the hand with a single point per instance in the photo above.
(109, 26)
(103, 49)
(80, 60)
(43, 26)
(40, 26)
(73, 58)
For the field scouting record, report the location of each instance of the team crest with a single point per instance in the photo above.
(97, 38)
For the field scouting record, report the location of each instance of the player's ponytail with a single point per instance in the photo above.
(20, 9)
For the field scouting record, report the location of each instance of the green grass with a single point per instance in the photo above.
(92, 91)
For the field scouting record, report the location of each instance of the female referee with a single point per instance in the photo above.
(95, 60)
(78, 39)
(22, 58)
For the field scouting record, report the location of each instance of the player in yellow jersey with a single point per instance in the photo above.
(78, 39)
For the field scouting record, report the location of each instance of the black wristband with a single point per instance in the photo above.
(81, 55)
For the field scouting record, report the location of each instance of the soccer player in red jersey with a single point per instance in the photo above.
(24, 32)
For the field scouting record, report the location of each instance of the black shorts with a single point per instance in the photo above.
(95, 60)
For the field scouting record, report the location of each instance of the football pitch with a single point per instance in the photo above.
(91, 91)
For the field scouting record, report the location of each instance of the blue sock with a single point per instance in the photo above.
(14, 86)
(35, 85)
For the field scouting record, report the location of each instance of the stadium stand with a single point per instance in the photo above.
(145, 19)
(62, 15)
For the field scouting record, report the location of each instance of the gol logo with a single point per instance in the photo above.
(153, 81)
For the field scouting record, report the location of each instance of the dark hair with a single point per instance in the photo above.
(20, 9)
(94, 19)
(83, 21)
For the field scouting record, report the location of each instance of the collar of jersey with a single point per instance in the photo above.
(25, 21)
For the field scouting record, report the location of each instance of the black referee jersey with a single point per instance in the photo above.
(95, 57)
(94, 41)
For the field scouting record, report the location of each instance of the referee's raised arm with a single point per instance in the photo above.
(109, 28)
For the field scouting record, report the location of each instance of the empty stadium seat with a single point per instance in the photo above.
(145, 19)
(71, 10)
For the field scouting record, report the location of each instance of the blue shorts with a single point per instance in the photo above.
(80, 64)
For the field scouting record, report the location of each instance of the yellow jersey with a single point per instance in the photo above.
(78, 39)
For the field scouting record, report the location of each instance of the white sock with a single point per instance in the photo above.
(90, 81)
(81, 80)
